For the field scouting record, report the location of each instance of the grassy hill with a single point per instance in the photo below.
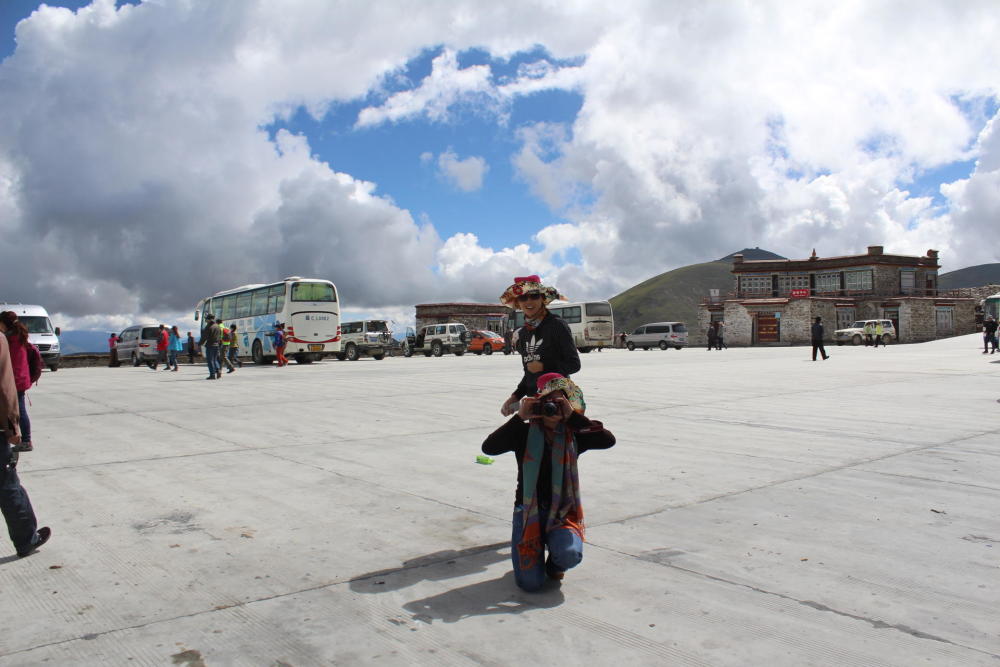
(972, 276)
(671, 296)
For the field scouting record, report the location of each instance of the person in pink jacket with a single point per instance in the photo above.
(17, 340)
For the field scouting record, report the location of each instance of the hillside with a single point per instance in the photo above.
(671, 296)
(972, 276)
(752, 255)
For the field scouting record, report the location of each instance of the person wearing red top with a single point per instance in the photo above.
(162, 343)
(17, 340)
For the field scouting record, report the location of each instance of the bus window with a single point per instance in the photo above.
(243, 304)
(571, 314)
(276, 298)
(312, 292)
(599, 309)
(259, 302)
(228, 307)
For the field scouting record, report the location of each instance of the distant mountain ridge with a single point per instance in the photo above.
(752, 254)
(971, 276)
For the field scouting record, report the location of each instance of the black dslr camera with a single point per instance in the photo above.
(545, 409)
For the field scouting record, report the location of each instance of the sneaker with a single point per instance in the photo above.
(23, 447)
(41, 537)
(230, 370)
(211, 377)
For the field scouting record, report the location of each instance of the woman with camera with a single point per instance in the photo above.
(545, 342)
(547, 435)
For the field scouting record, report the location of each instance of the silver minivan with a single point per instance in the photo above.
(663, 335)
(137, 344)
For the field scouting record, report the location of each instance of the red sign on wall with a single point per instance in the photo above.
(800, 293)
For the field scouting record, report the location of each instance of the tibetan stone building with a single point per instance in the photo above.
(775, 301)
(482, 316)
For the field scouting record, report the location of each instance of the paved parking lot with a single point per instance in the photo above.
(759, 508)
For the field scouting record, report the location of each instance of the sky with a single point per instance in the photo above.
(155, 152)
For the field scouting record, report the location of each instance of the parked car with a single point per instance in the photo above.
(370, 337)
(40, 331)
(855, 334)
(663, 335)
(137, 344)
(485, 342)
(437, 339)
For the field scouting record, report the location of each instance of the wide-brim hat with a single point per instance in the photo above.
(551, 382)
(529, 285)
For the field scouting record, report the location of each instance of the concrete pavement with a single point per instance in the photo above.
(758, 508)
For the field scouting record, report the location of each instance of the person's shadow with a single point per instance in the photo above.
(496, 596)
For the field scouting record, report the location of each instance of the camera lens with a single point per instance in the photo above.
(550, 409)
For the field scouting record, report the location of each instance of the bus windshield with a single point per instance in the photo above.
(599, 309)
(36, 324)
(313, 292)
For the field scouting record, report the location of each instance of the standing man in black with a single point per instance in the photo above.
(817, 339)
(545, 342)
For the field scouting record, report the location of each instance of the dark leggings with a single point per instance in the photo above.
(25, 422)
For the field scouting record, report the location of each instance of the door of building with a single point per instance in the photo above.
(768, 328)
(893, 314)
(945, 323)
(845, 318)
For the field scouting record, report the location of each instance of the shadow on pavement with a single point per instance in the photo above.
(497, 596)
(432, 567)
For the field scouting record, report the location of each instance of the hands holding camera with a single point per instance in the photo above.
(553, 405)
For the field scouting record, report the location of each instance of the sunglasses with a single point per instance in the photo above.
(534, 296)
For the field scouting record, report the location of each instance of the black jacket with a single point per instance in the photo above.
(817, 332)
(513, 437)
(551, 342)
(990, 327)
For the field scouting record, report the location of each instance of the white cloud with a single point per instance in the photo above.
(466, 175)
(138, 184)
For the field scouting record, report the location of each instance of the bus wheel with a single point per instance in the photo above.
(436, 348)
(352, 352)
(257, 352)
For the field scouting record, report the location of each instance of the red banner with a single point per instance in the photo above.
(799, 293)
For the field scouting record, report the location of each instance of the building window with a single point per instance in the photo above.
(858, 281)
(787, 283)
(756, 284)
(845, 317)
(907, 281)
(827, 282)
(945, 321)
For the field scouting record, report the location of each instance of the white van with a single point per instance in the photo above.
(137, 344)
(40, 331)
(371, 337)
(663, 335)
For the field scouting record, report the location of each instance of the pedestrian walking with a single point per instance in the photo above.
(279, 343)
(113, 351)
(869, 331)
(162, 347)
(234, 346)
(989, 334)
(547, 435)
(22, 526)
(20, 353)
(720, 339)
(175, 347)
(713, 336)
(817, 339)
(878, 334)
(224, 348)
(211, 339)
(191, 348)
(545, 342)
(622, 337)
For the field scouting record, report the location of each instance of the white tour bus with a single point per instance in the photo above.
(309, 309)
(591, 322)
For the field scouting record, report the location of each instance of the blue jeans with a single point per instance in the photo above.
(172, 358)
(564, 546)
(212, 359)
(14, 503)
(25, 422)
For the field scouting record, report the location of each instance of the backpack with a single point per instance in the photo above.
(34, 362)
